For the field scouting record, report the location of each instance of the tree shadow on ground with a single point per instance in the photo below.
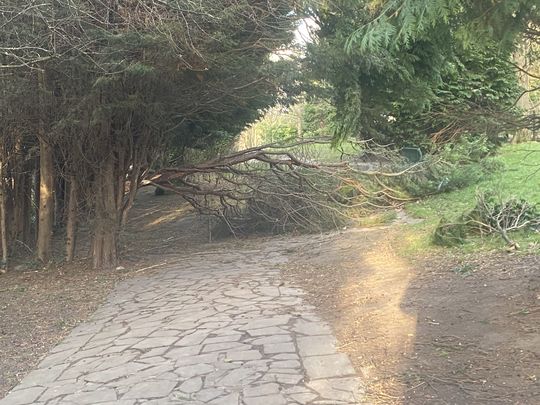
(428, 330)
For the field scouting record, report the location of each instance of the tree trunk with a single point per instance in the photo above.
(59, 202)
(106, 218)
(524, 102)
(3, 226)
(36, 180)
(71, 226)
(46, 201)
(133, 188)
(27, 220)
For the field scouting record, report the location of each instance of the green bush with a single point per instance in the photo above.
(450, 234)
(491, 214)
(456, 165)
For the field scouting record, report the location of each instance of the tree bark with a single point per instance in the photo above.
(3, 226)
(46, 201)
(36, 180)
(106, 218)
(71, 226)
(133, 188)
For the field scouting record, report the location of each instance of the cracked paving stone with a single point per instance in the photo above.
(333, 365)
(23, 396)
(342, 389)
(244, 355)
(150, 389)
(202, 331)
(316, 345)
(275, 399)
(273, 348)
(259, 390)
(92, 397)
(192, 385)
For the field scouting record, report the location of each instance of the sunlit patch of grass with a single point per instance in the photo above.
(520, 177)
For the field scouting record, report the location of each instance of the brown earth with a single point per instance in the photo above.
(428, 330)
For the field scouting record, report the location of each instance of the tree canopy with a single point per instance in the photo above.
(401, 70)
(97, 89)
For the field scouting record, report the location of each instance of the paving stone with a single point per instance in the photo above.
(274, 330)
(193, 339)
(66, 388)
(57, 358)
(209, 394)
(333, 365)
(91, 397)
(193, 370)
(271, 339)
(222, 339)
(270, 291)
(286, 364)
(303, 398)
(231, 399)
(150, 389)
(23, 396)
(311, 328)
(267, 323)
(192, 385)
(343, 389)
(225, 346)
(259, 390)
(286, 356)
(283, 378)
(284, 370)
(201, 358)
(156, 351)
(178, 352)
(44, 375)
(243, 355)
(316, 345)
(158, 372)
(279, 348)
(275, 399)
(104, 376)
(206, 328)
(150, 343)
(237, 378)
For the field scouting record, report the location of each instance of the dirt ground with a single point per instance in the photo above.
(429, 330)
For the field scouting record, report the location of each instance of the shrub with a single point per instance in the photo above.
(456, 165)
(491, 214)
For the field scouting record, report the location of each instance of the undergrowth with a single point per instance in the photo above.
(517, 178)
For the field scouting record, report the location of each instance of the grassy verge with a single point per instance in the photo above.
(519, 177)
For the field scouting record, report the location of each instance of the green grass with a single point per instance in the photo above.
(326, 153)
(520, 177)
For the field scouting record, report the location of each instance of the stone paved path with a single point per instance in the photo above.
(218, 328)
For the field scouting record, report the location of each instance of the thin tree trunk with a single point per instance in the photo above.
(46, 201)
(133, 188)
(106, 222)
(27, 224)
(36, 180)
(71, 226)
(3, 227)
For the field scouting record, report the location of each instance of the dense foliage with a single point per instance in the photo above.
(407, 71)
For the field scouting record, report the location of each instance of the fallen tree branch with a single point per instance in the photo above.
(270, 184)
